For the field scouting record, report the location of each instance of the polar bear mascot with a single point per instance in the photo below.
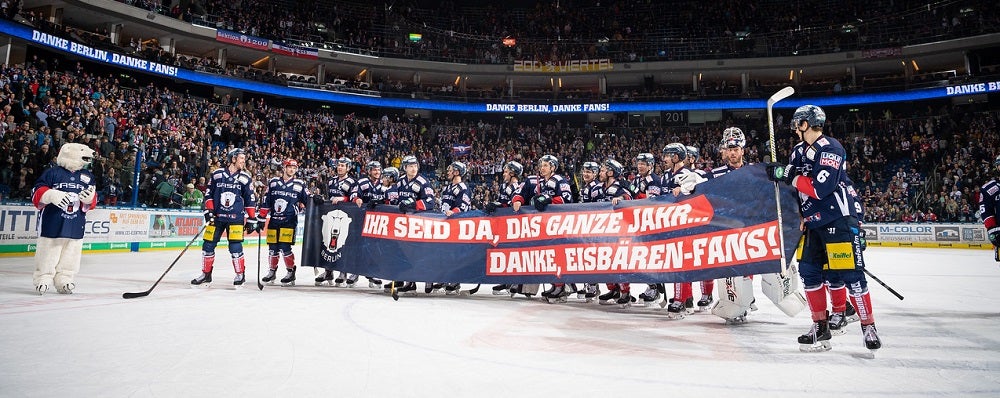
(64, 193)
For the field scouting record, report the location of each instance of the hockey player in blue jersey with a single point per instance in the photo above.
(339, 189)
(829, 215)
(679, 180)
(415, 194)
(509, 187)
(648, 185)
(64, 193)
(989, 207)
(365, 192)
(286, 196)
(455, 198)
(230, 209)
(616, 189)
(552, 188)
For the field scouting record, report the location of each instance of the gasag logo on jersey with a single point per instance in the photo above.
(946, 234)
(830, 159)
(336, 228)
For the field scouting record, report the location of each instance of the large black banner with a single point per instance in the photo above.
(728, 227)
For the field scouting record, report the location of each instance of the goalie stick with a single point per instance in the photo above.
(778, 96)
(128, 295)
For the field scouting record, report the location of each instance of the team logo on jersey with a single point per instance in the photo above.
(280, 205)
(336, 226)
(228, 199)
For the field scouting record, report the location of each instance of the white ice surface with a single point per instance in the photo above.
(307, 341)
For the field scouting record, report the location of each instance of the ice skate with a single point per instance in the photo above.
(851, 314)
(451, 289)
(204, 280)
(872, 342)
(408, 287)
(432, 287)
(339, 281)
(591, 292)
(689, 305)
(753, 305)
(609, 297)
(838, 324)
(739, 320)
(239, 280)
(325, 279)
(817, 339)
(625, 300)
(650, 296)
(269, 278)
(675, 310)
(705, 303)
(41, 289)
(374, 283)
(66, 289)
(500, 290)
(556, 294)
(289, 279)
(352, 281)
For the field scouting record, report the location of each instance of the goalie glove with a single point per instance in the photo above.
(688, 181)
(88, 195)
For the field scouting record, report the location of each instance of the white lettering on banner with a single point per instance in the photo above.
(129, 61)
(102, 55)
(567, 108)
(967, 89)
(50, 40)
(716, 249)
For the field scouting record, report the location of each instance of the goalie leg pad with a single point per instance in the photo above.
(784, 292)
(735, 297)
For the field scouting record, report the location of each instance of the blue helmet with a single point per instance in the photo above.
(551, 160)
(646, 158)
(676, 148)
(592, 166)
(693, 153)
(233, 154)
(996, 162)
(390, 172)
(516, 169)
(810, 113)
(615, 167)
(408, 160)
(344, 160)
(372, 165)
(459, 167)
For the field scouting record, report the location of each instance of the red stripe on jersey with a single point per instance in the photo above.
(805, 185)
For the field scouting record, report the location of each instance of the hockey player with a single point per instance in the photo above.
(415, 194)
(230, 209)
(832, 232)
(647, 185)
(551, 188)
(387, 193)
(591, 191)
(679, 180)
(615, 191)
(455, 198)
(64, 194)
(510, 186)
(989, 207)
(285, 198)
(339, 190)
(364, 192)
(527, 194)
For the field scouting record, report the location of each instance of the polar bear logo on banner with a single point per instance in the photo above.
(336, 227)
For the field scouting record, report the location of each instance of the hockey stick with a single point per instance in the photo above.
(778, 96)
(895, 293)
(392, 291)
(996, 253)
(146, 293)
(471, 291)
(260, 286)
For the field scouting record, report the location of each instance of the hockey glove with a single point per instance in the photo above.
(261, 220)
(994, 235)
(863, 242)
(541, 202)
(209, 217)
(778, 172)
(87, 195)
(251, 226)
(490, 208)
(407, 204)
(372, 204)
(317, 200)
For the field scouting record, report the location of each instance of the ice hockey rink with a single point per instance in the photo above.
(309, 341)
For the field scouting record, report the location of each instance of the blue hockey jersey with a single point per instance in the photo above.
(55, 222)
(456, 197)
(230, 196)
(283, 200)
(821, 179)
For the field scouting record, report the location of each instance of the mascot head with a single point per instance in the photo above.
(75, 156)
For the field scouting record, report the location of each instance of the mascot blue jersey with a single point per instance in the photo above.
(55, 222)
(456, 197)
(822, 182)
(282, 201)
(418, 188)
(229, 196)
